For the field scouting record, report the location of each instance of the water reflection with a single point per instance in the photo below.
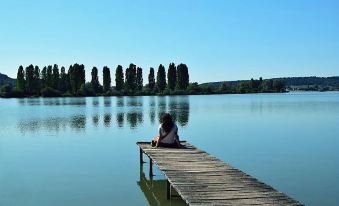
(173, 107)
(107, 101)
(134, 102)
(162, 106)
(95, 101)
(120, 101)
(155, 191)
(120, 119)
(183, 110)
(129, 112)
(74, 101)
(107, 119)
(95, 120)
(152, 109)
(77, 122)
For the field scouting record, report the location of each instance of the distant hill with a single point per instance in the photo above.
(290, 82)
(4, 79)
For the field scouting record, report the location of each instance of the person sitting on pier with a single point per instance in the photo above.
(168, 133)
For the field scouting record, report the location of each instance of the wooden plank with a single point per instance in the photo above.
(202, 179)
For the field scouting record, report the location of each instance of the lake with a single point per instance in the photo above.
(82, 151)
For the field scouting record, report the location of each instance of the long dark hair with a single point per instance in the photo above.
(167, 122)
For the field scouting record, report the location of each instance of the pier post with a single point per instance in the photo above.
(141, 156)
(150, 168)
(168, 190)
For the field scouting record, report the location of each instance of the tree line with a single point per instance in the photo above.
(52, 81)
(239, 87)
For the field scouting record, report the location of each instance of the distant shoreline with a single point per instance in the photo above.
(156, 95)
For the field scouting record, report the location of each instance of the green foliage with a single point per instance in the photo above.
(5, 89)
(55, 77)
(87, 89)
(194, 88)
(43, 77)
(223, 87)
(20, 81)
(182, 77)
(278, 85)
(16, 93)
(243, 87)
(49, 77)
(95, 80)
(29, 77)
(77, 78)
(64, 81)
(106, 79)
(172, 76)
(72, 83)
(267, 85)
(139, 79)
(50, 92)
(4, 79)
(49, 82)
(151, 79)
(255, 86)
(119, 78)
(36, 80)
(161, 78)
(131, 78)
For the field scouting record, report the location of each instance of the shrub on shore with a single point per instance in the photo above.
(50, 92)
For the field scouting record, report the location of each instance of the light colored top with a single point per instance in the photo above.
(170, 138)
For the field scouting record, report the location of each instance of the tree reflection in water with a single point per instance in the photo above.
(108, 101)
(62, 113)
(107, 119)
(152, 109)
(95, 120)
(120, 119)
(162, 106)
(183, 110)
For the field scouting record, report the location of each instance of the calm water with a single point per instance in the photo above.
(81, 151)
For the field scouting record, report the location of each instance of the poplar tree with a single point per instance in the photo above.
(72, 82)
(182, 77)
(131, 77)
(29, 75)
(20, 79)
(77, 77)
(36, 79)
(106, 79)
(43, 77)
(81, 73)
(55, 77)
(63, 83)
(49, 76)
(151, 80)
(95, 80)
(172, 76)
(161, 78)
(119, 78)
(139, 79)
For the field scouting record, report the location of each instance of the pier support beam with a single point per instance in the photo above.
(169, 190)
(141, 156)
(150, 168)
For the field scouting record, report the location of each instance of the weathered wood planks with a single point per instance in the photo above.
(201, 179)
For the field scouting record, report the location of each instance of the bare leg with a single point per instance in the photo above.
(155, 141)
(156, 138)
(177, 141)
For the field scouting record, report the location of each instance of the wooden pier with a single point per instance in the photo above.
(201, 179)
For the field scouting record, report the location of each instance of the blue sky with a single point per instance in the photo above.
(218, 40)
